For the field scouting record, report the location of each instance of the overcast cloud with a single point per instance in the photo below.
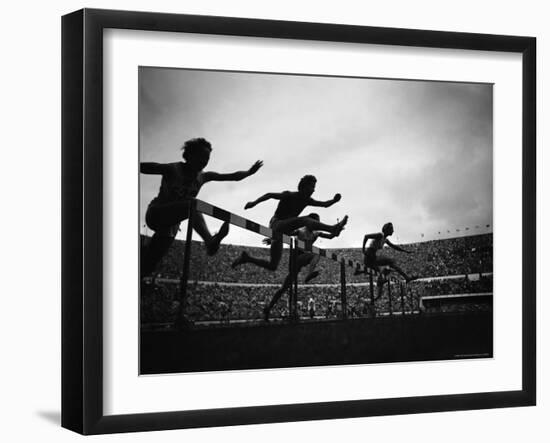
(418, 154)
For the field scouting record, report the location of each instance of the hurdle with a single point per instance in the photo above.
(293, 289)
(402, 294)
(343, 295)
(181, 321)
(390, 306)
(196, 205)
(396, 288)
(249, 225)
(371, 286)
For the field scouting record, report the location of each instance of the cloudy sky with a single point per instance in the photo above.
(416, 153)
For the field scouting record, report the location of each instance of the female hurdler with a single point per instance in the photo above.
(181, 181)
(287, 219)
(373, 260)
(304, 258)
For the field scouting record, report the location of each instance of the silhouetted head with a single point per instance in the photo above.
(307, 185)
(196, 153)
(387, 229)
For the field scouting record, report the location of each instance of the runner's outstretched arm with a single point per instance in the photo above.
(325, 204)
(263, 198)
(233, 176)
(152, 168)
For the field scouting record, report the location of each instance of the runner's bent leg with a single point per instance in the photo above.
(293, 223)
(386, 261)
(152, 254)
(275, 252)
(211, 242)
(166, 214)
(312, 273)
(301, 262)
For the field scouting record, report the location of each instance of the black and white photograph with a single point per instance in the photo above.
(293, 220)
(275, 221)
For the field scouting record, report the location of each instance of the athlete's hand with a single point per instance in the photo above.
(337, 198)
(254, 168)
(249, 205)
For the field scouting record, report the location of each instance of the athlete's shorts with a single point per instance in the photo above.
(308, 256)
(275, 225)
(370, 258)
(154, 222)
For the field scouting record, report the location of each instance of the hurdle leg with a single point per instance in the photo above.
(371, 284)
(295, 281)
(343, 290)
(291, 287)
(390, 307)
(181, 321)
(402, 298)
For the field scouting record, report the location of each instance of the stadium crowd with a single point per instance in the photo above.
(464, 259)
(218, 302)
(455, 256)
(462, 285)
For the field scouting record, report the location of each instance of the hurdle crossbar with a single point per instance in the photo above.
(249, 225)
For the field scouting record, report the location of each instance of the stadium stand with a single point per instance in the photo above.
(218, 293)
(455, 256)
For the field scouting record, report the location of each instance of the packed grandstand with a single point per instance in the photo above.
(217, 293)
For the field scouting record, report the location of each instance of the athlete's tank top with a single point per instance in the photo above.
(377, 243)
(178, 183)
(290, 205)
(307, 236)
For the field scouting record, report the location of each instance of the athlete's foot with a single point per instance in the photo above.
(266, 313)
(411, 278)
(338, 227)
(240, 260)
(311, 276)
(214, 244)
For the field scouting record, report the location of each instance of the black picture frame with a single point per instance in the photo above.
(82, 219)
